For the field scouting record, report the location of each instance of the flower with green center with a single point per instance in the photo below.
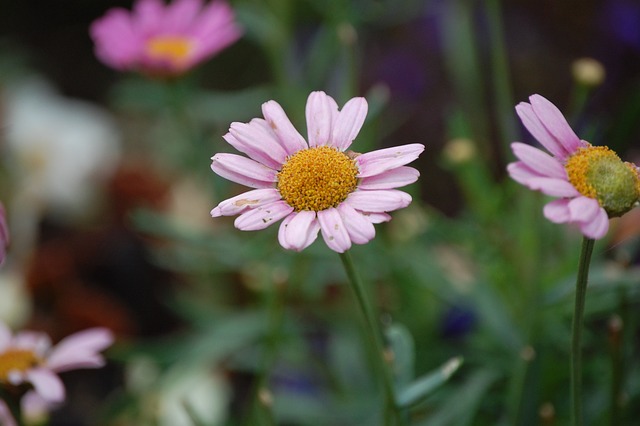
(592, 182)
(317, 186)
(28, 358)
(164, 40)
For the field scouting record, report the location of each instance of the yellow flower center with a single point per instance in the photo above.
(17, 360)
(172, 49)
(597, 172)
(317, 178)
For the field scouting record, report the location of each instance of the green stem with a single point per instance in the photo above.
(576, 341)
(12, 402)
(374, 338)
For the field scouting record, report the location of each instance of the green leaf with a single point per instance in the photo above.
(403, 347)
(422, 387)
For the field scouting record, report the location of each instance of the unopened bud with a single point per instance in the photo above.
(588, 71)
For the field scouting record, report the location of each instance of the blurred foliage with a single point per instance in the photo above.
(470, 271)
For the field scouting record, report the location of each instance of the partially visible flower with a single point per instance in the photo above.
(164, 40)
(4, 234)
(592, 183)
(314, 186)
(28, 357)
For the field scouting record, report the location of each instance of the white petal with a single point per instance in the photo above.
(334, 231)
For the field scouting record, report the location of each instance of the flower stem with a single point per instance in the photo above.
(374, 339)
(578, 314)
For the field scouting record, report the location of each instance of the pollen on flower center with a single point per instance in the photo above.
(317, 178)
(169, 48)
(17, 360)
(597, 172)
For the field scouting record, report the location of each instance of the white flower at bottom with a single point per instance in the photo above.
(317, 186)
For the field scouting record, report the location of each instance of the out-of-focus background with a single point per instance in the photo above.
(105, 178)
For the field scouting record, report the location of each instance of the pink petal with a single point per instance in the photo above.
(321, 112)
(359, 227)
(243, 170)
(378, 201)
(246, 201)
(598, 227)
(553, 187)
(148, 16)
(333, 230)
(583, 209)
(539, 131)
(394, 178)
(289, 138)
(116, 42)
(555, 123)
(216, 25)
(6, 419)
(349, 123)
(540, 161)
(180, 14)
(521, 173)
(257, 141)
(557, 211)
(263, 216)
(299, 230)
(47, 384)
(377, 217)
(80, 350)
(376, 162)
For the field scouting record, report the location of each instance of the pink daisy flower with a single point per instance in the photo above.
(317, 186)
(592, 183)
(164, 40)
(28, 358)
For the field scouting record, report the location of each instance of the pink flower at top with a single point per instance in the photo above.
(28, 357)
(591, 182)
(4, 234)
(315, 186)
(164, 40)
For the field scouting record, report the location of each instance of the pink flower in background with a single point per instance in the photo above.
(164, 40)
(4, 234)
(27, 357)
(592, 183)
(317, 186)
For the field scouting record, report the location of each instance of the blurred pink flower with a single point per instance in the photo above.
(4, 234)
(592, 183)
(314, 186)
(27, 357)
(164, 40)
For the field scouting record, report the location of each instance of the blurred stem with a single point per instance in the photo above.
(261, 395)
(12, 402)
(501, 78)
(576, 341)
(374, 339)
